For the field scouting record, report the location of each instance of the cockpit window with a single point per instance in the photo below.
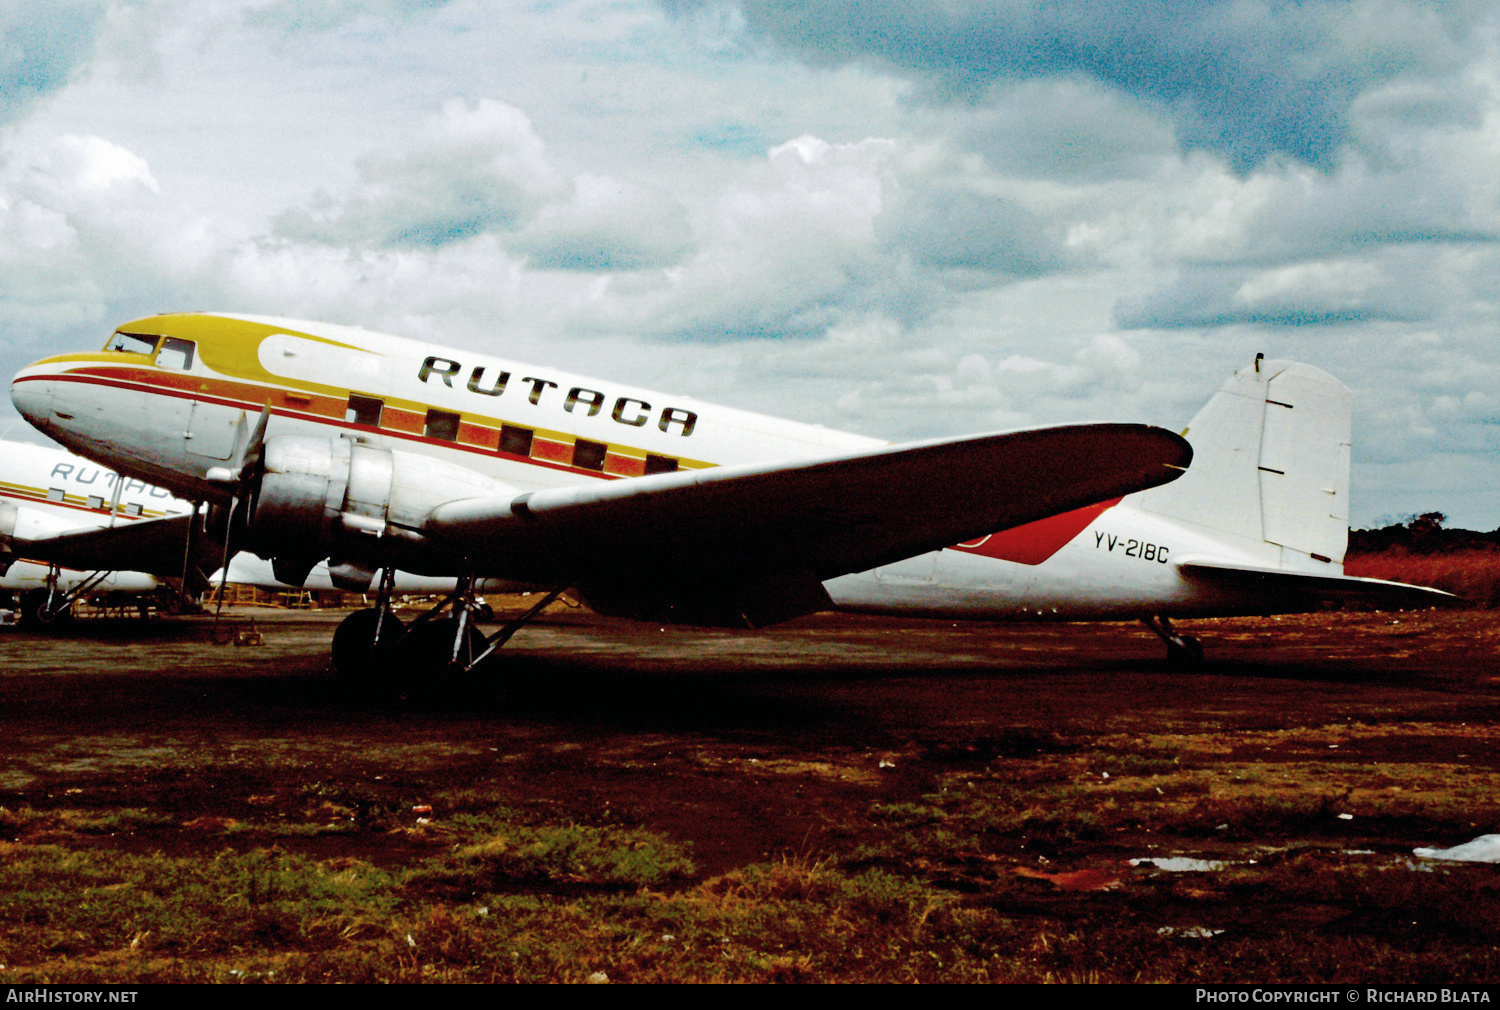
(176, 353)
(132, 343)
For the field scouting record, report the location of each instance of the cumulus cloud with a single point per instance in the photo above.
(957, 228)
(1079, 131)
(788, 249)
(473, 169)
(1295, 214)
(1321, 294)
(326, 15)
(607, 225)
(906, 386)
(481, 168)
(65, 209)
(787, 246)
(73, 168)
(1244, 80)
(45, 42)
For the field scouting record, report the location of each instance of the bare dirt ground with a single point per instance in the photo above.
(758, 745)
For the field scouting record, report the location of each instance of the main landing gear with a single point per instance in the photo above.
(439, 651)
(44, 608)
(1182, 650)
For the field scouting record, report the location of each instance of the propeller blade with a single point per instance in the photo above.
(254, 446)
(238, 469)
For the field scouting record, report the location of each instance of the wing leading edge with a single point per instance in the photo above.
(753, 544)
(154, 546)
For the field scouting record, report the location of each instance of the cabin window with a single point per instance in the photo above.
(56, 494)
(133, 509)
(364, 410)
(441, 424)
(96, 501)
(514, 440)
(589, 455)
(661, 464)
(176, 354)
(131, 343)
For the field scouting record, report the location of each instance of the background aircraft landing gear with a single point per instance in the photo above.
(1183, 651)
(50, 606)
(45, 608)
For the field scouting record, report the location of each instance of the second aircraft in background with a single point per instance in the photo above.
(46, 492)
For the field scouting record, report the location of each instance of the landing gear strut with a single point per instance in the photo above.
(1182, 650)
(45, 607)
(440, 648)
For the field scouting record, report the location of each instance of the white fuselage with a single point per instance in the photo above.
(53, 491)
(173, 422)
(1118, 566)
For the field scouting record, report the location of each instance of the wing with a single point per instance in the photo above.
(155, 546)
(1303, 590)
(753, 544)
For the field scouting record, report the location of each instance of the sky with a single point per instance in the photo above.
(932, 217)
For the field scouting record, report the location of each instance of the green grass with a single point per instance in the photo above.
(967, 882)
(552, 856)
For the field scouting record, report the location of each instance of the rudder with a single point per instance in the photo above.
(1270, 466)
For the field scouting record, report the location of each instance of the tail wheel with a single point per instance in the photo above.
(1185, 652)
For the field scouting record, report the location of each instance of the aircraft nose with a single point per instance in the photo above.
(33, 398)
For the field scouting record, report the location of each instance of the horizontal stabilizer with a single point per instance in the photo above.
(1300, 587)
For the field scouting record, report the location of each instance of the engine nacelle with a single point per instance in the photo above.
(338, 498)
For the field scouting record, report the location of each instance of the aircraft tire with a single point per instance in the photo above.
(1187, 655)
(420, 672)
(34, 612)
(354, 657)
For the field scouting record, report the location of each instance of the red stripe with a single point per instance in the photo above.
(321, 419)
(1034, 543)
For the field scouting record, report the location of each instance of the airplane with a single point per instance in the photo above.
(377, 453)
(46, 491)
(53, 503)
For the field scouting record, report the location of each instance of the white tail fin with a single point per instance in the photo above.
(1270, 466)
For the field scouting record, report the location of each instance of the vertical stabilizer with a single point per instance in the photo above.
(1270, 466)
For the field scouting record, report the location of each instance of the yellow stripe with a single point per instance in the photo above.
(231, 347)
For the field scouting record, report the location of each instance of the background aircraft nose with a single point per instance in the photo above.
(33, 398)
